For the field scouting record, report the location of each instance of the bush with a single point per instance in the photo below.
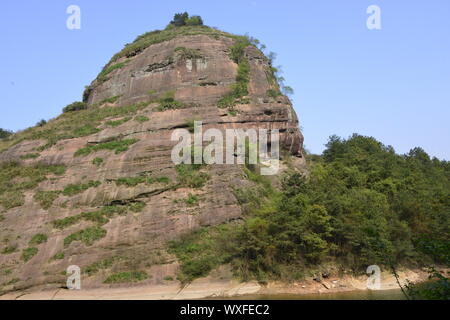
(5, 133)
(73, 189)
(117, 123)
(99, 265)
(168, 102)
(124, 277)
(272, 93)
(41, 123)
(188, 53)
(46, 198)
(9, 249)
(29, 253)
(88, 236)
(141, 119)
(118, 146)
(189, 176)
(30, 156)
(194, 21)
(75, 106)
(97, 161)
(38, 239)
(59, 256)
(102, 77)
(240, 88)
(192, 200)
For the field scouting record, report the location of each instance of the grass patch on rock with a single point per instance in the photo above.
(46, 198)
(126, 277)
(190, 176)
(73, 189)
(38, 239)
(117, 146)
(15, 179)
(101, 216)
(87, 236)
(29, 253)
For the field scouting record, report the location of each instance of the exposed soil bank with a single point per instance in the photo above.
(211, 287)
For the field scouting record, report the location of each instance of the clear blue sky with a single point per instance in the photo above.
(393, 84)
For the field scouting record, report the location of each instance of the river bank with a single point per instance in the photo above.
(215, 288)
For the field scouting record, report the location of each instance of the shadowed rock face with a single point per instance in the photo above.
(137, 238)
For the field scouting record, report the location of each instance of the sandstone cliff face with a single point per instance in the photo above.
(154, 208)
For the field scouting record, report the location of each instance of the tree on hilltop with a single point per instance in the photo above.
(183, 19)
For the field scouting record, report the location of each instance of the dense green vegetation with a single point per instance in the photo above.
(59, 256)
(437, 288)
(362, 204)
(75, 106)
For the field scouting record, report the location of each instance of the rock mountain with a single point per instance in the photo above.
(96, 187)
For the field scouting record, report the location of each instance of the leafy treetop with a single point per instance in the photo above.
(183, 19)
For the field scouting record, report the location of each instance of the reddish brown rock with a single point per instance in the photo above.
(137, 237)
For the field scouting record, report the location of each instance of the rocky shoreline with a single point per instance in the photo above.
(212, 287)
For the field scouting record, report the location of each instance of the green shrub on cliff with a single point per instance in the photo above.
(29, 253)
(240, 88)
(75, 106)
(46, 198)
(73, 189)
(124, 277)
(38, 239)
(5, 133)
(117, 146)
(88, 236)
